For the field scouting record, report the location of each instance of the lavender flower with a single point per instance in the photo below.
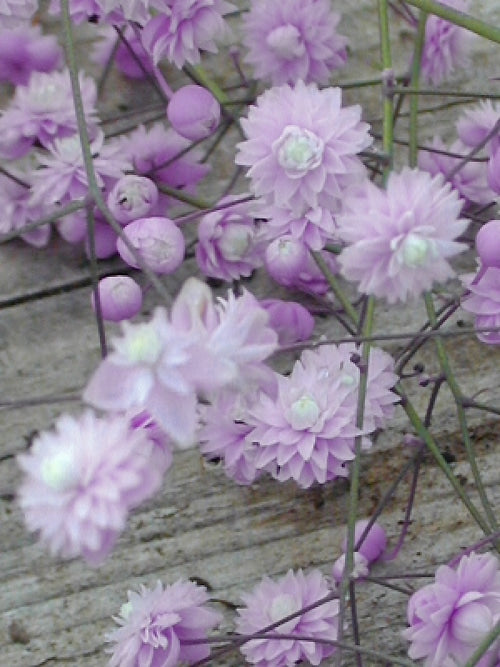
(230, 242)
(159, 242)
(43, 110)
(24, 50)
(193, 112)
(449, 618)
(446, 46)
(291, 321)
(132, 197)
(18, 211)
(373, 545)
(292, 40)
(483, 300)
(157, 623)
(399, 239)
(272, 601)
(82, 479)
(474, 125)
(184, 28)
(15, 13)
(302, 147)
(120, 298)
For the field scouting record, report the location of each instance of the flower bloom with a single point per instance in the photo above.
(291, 321)
(82, 479)
(18, 211)
(307, 432)
(474, 125)
(24, 50)
(230, 243)
(120, 298)
(132, 197)
(399, 239)
(292, 40)
(302, 147)
(272, 601)
(159, 242)
(483, 301)
(155, 625)
(184, 28)
(43, 110)
(15, 13)
(446, 46)
(449, 618)
(193, 112)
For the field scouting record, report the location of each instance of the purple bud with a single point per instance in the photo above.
(193, 112)
(488, 244)
(120, 298)
(285, 259)
(359, 570)
(291, 321)
(494, 171)
(132, 197)
(373, 545)
(158, 241)
(73, 227)
(105, 241)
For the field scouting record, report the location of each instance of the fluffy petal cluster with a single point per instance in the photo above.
(149, 149)
(449, 618)
(43, 111)
(184, 28)
(483, 301)
(302, 147)
(62, 176)
(156, 623)
(24, 50)
(272, 601)
(307, 431)
(313, 228)
(230, 244)
(18, 211)
(399, 238)
(476, 124)
(470, 181)
(162, 365)
(82, 479)
(292, 40)
(14, 13)
(446, 46)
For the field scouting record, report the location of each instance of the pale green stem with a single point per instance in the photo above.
(486, 30)
(210, 84)
(335, 287)
(462, 419)
(64, 210)
(183, 196)
(388, 105)
(415, 79)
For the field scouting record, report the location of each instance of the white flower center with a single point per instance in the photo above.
(69, 149)
(60, 472)
(45, 98)
(236, 242)
(286, 42)
(134, 196)
(298, 150)
(414, 251)
(126, 610)
(304, 412)
(347, 380)
(141, 344)
(282, 606)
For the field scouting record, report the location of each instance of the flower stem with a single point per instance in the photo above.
(484, 646)
(335, 287)
(388, 77)
(415, 78)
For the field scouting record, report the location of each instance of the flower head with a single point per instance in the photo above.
(272, 601)
(292, 40)
(120, 298)
(446, 46)
(158, 241)
(24, 50)
(193, 112)
(302, 147)
(15, 13)
(474, 125)
(449, 618)
(483, 300)
(157, 623)
(82, 479)
(399, 239)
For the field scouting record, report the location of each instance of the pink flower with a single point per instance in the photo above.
(82, 479)
(291, 321)
(18, 211)
(272, 601)
(446, 46)
(157, 624)
(193, 112)
(15, 13)
(292, 40)
(120, 298)
(307, 432)
(483, 300)
(471, 181)
(302, 147)
(474, 125)
(230, 242)
(24, 50)
(125, 62)
(184, 28)
(132, 197)
(399, 239)
(449, 618)
(43, 110)
(159, 242)
(373, 545)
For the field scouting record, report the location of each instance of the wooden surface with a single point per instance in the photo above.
(201, 524)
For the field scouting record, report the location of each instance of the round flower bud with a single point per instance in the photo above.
(494, 171)
(291, 321)
(158, 241)
(286, 257)
(104, 240)
(132, 197)
(193, 112)
(488, 244)
(120, 298)
(373, 545)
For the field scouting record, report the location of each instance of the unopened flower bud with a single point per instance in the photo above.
(374, 544)
(193, 112)
(488, 244)
(132, 197)
(158, 241)
(286, 258)
(291, 321)
(494, 171)
(120, 298)
(104, 241)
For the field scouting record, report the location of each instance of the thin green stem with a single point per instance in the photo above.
(488, 641)
(199, 73)
(414, 82)
(64, 210)
(181, 195)
(94, 277)
(486, 30)
(388, 76)
(462, 419)
(335, 287)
